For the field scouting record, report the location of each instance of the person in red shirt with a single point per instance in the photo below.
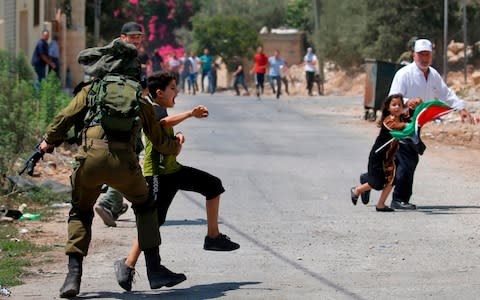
(261, 64)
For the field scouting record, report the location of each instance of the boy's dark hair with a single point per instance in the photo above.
(386, 105)
(159, 81)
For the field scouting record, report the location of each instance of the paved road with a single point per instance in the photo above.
(287, 167)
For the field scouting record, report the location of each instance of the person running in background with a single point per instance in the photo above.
(165, 176)
(157, 62)
(239, 76)
(212, 78)
(275, 62)
(206, 61)
(174, 65)
(310, 67)
(260, 68)
(192, 77)
(185, 70)
(381, 165)
(284, 76)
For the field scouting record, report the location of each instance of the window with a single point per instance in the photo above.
(36, 12)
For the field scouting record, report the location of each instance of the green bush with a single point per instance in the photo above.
(16, 98)
(24, 112)
(50, 100)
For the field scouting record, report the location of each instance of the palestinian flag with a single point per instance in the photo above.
(424, 113)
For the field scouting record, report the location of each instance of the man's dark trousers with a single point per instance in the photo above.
(406, 160)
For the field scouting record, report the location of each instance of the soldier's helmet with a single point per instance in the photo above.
(411, 43)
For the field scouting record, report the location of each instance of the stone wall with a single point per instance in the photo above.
(290, 45)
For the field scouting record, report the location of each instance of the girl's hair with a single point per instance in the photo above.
(159, 81)
(386, 105)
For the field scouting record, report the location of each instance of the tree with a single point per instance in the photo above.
(369, 30)
(159, 18)
(110, 25)
(299, 15)
(258, 13)
(341, 41)
(225, 36)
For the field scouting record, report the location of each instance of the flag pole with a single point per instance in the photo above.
(384, 145)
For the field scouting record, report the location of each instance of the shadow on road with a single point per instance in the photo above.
(128, 223)
(204, 291)
(447, 209)
(185, 222)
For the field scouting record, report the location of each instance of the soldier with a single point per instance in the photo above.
(407, 57)
(106, 159)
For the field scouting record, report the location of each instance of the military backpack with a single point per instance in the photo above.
(113, 103)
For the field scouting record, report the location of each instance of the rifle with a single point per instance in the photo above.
(31, 162)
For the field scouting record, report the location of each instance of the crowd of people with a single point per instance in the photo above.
(196, 74)
(110, 157)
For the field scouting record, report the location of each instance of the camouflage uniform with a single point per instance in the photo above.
(99, 162)
(112, 162)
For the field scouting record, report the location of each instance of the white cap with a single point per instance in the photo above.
(423, 45)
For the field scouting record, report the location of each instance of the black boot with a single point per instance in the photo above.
(157, 274)
(71, 286)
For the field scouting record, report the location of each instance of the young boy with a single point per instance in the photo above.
(165, 176)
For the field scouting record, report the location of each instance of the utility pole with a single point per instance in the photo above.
(445, 37)
(96, 26)
(465, 58)
(316, 11)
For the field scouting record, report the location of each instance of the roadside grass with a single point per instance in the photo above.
(16, 252)
(15, 255)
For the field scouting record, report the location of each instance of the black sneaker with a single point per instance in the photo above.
(365, 196)
(403, 205)
(164, 277)
(106, 215)
(220, 243)
(124, 274)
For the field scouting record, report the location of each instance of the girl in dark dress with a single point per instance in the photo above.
(381, 165)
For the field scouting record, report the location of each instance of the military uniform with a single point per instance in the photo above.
(101, 161)
(110, 159)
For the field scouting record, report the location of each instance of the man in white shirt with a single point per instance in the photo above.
(310, 67)
(195, 61)
(418, 82)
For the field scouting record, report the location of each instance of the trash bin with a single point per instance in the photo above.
(377, 85)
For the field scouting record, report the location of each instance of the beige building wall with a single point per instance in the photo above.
(76, 41)
(290, 46)
(26, 32)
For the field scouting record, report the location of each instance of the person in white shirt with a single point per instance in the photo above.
(195, 61)
(310, 67)
(418, 82)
